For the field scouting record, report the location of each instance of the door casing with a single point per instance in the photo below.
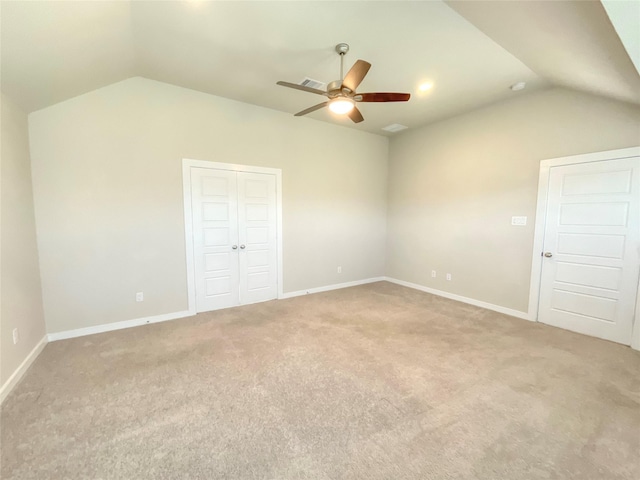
(187, 164)
(541, 211)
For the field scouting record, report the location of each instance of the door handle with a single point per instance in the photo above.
(242, 247)
(548, 254)
(235, 247)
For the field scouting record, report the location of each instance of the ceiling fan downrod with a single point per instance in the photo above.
(342, 49)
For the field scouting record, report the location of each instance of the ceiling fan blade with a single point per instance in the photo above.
(382, 97)
(311, 109)
(302, 87)
(354, 76)
(355, 115)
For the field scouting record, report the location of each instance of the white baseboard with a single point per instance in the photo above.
(21, 370)
(108, 327)
(459, 298)
(336, 286)
(80, 332)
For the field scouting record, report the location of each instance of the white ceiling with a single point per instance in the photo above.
(52, 51)
(569, 43)
(625, 17)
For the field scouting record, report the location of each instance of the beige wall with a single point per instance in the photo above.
(108, 192)
(20, 278)
(108, 196)
(454, 186)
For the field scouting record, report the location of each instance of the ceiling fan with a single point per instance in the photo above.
(342, 93)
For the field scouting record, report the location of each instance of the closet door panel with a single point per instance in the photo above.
(257, 230)
(214, 204)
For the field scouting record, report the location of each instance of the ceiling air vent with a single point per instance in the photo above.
(394, 127)
(311, 83)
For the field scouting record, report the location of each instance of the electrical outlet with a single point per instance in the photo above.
(16, 336)
(139, 297)
(339, 269)
(433, 273)
(448, 277)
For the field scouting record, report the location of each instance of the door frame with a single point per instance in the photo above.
(540, 224)
(187, 164)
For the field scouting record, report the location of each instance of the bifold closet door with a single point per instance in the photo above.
(234, 237)
(214, 204)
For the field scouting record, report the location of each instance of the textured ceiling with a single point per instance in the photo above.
(471, 51)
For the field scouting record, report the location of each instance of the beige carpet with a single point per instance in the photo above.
(371, 382)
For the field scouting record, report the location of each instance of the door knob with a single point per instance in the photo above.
(548, 254)
(235, 247)
(242, 247)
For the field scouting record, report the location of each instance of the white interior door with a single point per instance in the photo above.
(214, 207)
(257, 236)
(234, 224)
(592, 248)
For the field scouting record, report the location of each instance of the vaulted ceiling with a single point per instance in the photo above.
(471, 52)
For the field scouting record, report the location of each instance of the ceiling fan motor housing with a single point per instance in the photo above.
(335, 89)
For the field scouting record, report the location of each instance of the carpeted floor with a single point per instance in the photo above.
(370, 382)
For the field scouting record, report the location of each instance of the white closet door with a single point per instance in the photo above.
(592, 247)
(215, 233)
(257, 237)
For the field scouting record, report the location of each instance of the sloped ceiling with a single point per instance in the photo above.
(572, 44)
(470, 51)
(53, 51)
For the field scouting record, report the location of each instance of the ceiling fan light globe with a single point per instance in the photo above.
(341, 106)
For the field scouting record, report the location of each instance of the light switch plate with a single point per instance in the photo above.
(519, 221)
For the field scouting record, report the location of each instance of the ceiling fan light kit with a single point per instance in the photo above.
(341, 105)
(342, 93)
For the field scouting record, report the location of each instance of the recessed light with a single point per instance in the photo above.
(426, 86)
(518, 86)
(394, 127)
